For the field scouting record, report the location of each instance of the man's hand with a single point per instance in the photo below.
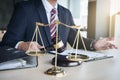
(103, 44)
(32, 46)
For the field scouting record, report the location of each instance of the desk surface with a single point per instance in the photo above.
(107, 69)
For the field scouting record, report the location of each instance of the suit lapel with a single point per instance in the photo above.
(61, 19)
(43, 18)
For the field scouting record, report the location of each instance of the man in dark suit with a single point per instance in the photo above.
(22, 26)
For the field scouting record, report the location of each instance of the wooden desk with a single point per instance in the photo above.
(107, 69)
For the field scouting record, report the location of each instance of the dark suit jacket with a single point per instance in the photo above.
(22, 24)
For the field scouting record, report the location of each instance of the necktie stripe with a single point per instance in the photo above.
(52, 24)
(52, 29)
(52, 21)
(53, 33)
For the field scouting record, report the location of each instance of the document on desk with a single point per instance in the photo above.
(27, 62)
(93, 56)
(18, 63)
(12, 58)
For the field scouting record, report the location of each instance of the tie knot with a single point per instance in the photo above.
(53, 11)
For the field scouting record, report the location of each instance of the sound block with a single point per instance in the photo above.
(64, 62)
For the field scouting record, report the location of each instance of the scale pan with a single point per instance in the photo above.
(55, 71)
(36, 53)
(77, 57)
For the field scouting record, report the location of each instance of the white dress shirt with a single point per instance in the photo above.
(48, 7)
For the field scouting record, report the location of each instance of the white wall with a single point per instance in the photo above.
(117, 26)
(114, 10)
(98, 18)
(105, 25)
(102, 18)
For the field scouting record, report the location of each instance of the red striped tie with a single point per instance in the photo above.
(52, 24)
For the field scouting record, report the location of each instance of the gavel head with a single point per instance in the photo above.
(59, 45)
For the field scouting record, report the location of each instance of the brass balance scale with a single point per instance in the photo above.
(55, 70)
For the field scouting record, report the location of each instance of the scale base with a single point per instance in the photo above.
(64, 62)
(55, 71)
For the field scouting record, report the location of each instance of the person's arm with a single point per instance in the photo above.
(16, 27)
(72, 34)
(91, 44)
(88, 42)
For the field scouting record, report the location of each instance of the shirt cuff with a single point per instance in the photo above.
(92, 45)
(16, 46)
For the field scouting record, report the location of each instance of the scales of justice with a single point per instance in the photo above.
(55, 70)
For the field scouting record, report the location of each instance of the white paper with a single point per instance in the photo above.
(91, 54)
(18, 63)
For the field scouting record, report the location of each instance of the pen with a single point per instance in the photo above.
(98, 58)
